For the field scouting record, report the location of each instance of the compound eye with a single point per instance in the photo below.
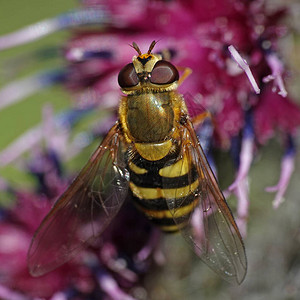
(164, 73)
(128, 77)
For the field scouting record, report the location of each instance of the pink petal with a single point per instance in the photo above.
(243, 64)
(287, 169)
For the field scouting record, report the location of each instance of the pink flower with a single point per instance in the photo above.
(16, 232)
(275, 113)
(198, 37)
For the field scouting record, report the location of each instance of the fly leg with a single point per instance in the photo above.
(186, 73)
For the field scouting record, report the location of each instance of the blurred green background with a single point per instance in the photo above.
(273, 242)
(19, 62)
(15, 15)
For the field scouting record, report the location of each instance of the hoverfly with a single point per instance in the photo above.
(153, 153)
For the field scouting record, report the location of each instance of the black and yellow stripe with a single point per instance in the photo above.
(156, 185)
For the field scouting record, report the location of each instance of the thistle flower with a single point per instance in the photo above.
(202, 42)
(195, 34)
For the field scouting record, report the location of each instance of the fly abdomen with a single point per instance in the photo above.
(164, 190)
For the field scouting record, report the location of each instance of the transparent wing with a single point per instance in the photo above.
(84, 210)
(206, 221)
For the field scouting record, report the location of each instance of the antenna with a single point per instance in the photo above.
(136, 47)
(151, 47)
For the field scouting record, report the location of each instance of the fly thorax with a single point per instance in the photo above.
(150, 117)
